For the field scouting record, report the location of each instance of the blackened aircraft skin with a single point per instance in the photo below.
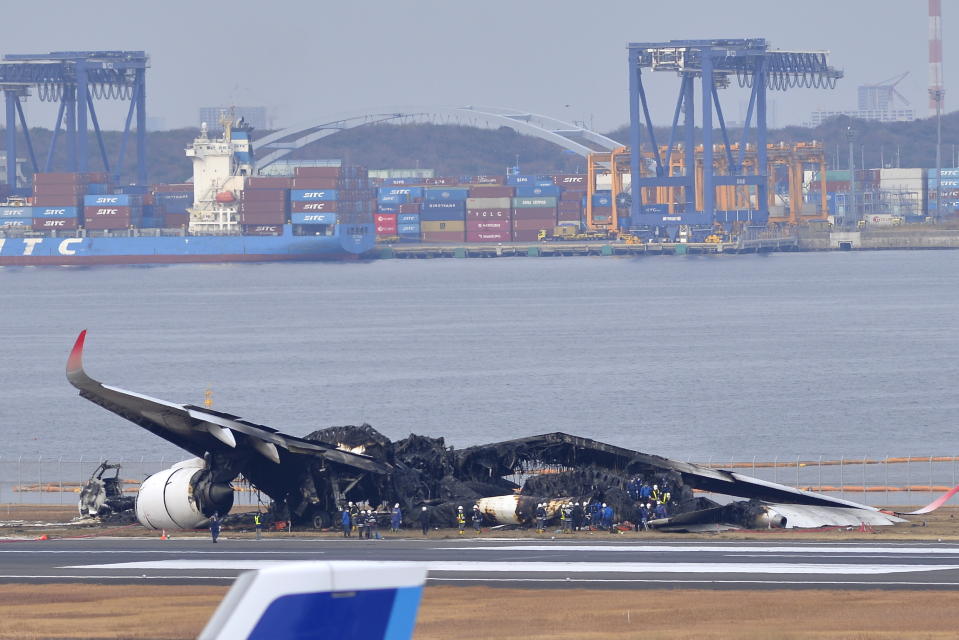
(310, 476)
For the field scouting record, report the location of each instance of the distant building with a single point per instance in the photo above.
(875, 115)
(877, 103)
(256, 116)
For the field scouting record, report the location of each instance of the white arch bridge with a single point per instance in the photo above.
(572, 137)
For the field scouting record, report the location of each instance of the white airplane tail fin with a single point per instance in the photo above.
(343, 600)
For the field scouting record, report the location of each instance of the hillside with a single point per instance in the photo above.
(460, 150)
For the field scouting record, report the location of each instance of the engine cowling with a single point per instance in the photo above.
(182, 497)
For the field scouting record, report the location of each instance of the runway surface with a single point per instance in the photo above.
(500, 562)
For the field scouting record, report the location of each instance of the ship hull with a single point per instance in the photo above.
(68, 251)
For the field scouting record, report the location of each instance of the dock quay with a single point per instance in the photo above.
(586, 248)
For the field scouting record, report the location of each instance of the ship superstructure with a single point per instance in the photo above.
(220, 166)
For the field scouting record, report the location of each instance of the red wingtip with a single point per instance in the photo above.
(75, 363)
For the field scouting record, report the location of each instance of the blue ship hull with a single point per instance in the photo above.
(350, 241)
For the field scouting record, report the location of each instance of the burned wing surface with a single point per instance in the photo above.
(288, 469)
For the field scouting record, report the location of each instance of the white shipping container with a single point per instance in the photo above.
(882, 219)
(488, 203)
(902, 174)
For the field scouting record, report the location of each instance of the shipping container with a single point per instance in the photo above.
(488, 236)
(533, 224)
(518, 179)
(567, 206)
(328, 217)
(307, 207)
(397, 199)
(56, 212)
(410, 207)
(58, 201)
(602, 199)
(407, 229)
(185, 187)
(492, 192)
(488, 180)
(447, 181)
(443, 236)
(267, 182)
(16, 223)
(443, 225)
(108, 212)
(526, 203)
(112, 200)
(571, 181)
(76, 190)
(488, 214)
(488, 203)
(175, 220)
(68, 178)
(408, 218)
(100, 224)
(16, 212)
(489, 225)
(386, 208)
(55, 224)
(569, 216)
(446, 194)
(319, 172)
(602, 214)
(551, 191)
(263, 229)
(305, 195)
(534, 213)
(319, 183)
(413, 193)
(263, 217)
(525, 236)
(264, 195)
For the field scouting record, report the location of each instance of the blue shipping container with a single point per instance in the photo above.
(433, 215)
(551, 191)
(16, 212)
(386, 208)
(134, 190)
(313, 195)
(15, 222)
(945, 183)
(56, 212)
(545, 182)
(447, 194)
(408, 228)
(444, 205)
(98, 189)
(516, 180)
(396, 198)
(408, 218)
(323, 217)
(411, 192)
(115, 199)
(603, 199)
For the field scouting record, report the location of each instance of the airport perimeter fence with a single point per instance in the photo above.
(904, 481)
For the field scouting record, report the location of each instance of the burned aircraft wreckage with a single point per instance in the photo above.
(310, 479)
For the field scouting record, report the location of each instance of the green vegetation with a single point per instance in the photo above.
(455, 150)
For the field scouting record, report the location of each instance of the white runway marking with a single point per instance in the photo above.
(563, 567)
(761, 550)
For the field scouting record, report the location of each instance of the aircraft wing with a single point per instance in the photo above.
(199, 430)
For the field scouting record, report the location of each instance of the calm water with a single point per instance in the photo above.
(691, 357)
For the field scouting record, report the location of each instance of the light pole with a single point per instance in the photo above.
(851, 205)
(937, 95)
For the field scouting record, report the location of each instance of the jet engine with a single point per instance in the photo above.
(182, 497)
(768, 518)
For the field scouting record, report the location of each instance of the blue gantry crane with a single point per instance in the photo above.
(713, 63)
(75, 79)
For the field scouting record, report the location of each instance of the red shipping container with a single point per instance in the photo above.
(265, 195)
(58, 178)
(316, 172)
(410, 207)
(488, 214)
(57, 201)
(488, 236)
(534, 224)
(525, 236)
(106, 212)
(283, 205)
(442, 182)
(489, 225)
(570, 205)
(443, 236)
(491, 192)
(385, 218)
(534, 213)
(48, 224)
(575, 181)
(262, 217)
(263, 229)
(98, 177)
(183, 187)
(267, 182)
(317, 183)
(382, 230)
(488, 180)
(569, 216)
(313, 206)
(59, 189)
(174, 220)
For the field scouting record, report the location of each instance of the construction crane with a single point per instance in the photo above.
(713, 65)
(75, 79)
(881, 95)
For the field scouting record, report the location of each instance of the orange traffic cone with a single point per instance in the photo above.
(163, 535)
(44, 537)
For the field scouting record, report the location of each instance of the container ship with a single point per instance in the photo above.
(225, 215)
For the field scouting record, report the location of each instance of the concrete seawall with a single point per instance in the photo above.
(881, 238)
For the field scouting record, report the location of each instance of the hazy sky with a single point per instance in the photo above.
(566, 59)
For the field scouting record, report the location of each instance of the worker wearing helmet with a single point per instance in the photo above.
(541, 517)
(425, 520)
(477, 518)
(460, 520)
(396, 518)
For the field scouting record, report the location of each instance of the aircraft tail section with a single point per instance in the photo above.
(343, 600)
